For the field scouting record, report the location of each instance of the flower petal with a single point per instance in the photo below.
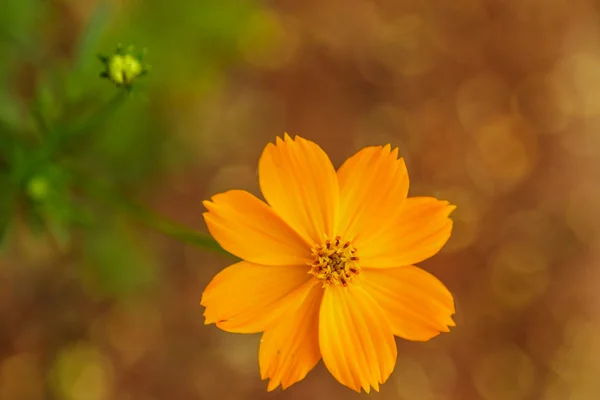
(373, 185)
(290, 348)
(417, 304)
(246, 298)
(298, 181)
(250, 229)
(420, 231)
(355, 338)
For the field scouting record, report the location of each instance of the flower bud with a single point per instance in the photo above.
(124, 67)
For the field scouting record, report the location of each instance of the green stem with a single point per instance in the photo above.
(137, 212)
(173, 229)
(103, 113)
(100, 116)
(104, 194)
(39, 119)
(61, 138)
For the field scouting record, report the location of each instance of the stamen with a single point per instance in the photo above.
(335, 262)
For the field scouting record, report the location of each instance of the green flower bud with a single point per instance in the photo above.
(124, 67)
(38, 188)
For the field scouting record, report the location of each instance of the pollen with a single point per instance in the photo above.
(334, 262)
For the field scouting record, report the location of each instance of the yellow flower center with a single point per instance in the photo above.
(124, 69)
(335, 262)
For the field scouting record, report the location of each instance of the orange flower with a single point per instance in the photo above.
(328, 264)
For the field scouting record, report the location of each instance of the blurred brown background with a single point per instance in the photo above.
(495, 106)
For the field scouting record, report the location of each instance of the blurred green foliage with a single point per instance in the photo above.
(75, 149)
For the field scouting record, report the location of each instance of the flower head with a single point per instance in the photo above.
(124, 67)
(328, 264)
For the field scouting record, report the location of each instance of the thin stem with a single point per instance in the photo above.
(141, 214)
(103, 113)
(66, 137)
(100, 116)
(39, 119)
(173, 229)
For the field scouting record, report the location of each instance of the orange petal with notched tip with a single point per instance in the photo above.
(290, 348)
(420, 231)
(250, 229)
(417, 305)
(246, 298)
(297, 179)
(356, 340)
(373, 185)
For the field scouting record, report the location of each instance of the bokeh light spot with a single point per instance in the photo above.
(413, 382)
(577, 77)
(582, 212)
(266, 42)
(505, 373)
(132, 331)
(506, 153)
(519, 273)
(481, 100)
(537, 100)
(20, 378)
(81, 372)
